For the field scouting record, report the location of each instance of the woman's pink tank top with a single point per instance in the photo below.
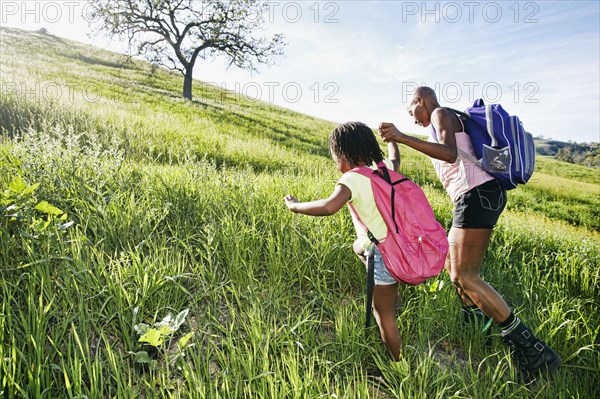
(462, 175)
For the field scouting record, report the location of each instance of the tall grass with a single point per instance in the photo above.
(179, 206)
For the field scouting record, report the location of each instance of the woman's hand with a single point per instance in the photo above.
(444, 149)
(388, 133)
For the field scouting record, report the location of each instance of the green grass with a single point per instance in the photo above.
(178, 205)
(580, 173)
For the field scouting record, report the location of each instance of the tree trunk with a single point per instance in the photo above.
(187, 83)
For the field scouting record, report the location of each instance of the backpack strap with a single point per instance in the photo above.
(370, 269)
(461, 115)
(469, 157)
(488, 128)
(383, 172)
(374, 240)
(461, 153)
(370, 287)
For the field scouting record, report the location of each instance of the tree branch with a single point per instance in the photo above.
(177, 32)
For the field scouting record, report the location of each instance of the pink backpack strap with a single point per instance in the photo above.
(370, 268)
(383, 172)
(366, 171)
(369, 234)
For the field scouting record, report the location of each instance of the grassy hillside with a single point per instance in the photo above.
(585, 154)
(157, 206)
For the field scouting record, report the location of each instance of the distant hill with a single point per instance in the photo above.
(586, 154)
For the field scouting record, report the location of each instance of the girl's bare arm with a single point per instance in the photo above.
(323, 207)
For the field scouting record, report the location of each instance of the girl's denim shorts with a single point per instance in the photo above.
(382, 276)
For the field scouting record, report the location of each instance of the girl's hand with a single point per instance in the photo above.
(388, 133)
(290, 201)
(322, 207)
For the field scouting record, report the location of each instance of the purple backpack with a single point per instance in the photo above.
(416, 245)
(503, 148)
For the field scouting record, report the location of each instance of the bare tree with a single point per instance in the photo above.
(175, 33)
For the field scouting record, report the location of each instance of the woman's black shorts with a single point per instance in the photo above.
(480, 207)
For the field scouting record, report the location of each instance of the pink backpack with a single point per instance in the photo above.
(416, 245)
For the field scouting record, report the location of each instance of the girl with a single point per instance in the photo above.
(353, 144)
(478, 202)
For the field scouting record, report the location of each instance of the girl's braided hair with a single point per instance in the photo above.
(355, 142)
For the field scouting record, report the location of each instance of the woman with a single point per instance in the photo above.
(478, 202)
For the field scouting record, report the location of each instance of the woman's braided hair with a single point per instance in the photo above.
(356, 143)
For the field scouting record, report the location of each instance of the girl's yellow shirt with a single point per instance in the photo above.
(364, 203)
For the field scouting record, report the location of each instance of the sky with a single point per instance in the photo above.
(361, 60)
